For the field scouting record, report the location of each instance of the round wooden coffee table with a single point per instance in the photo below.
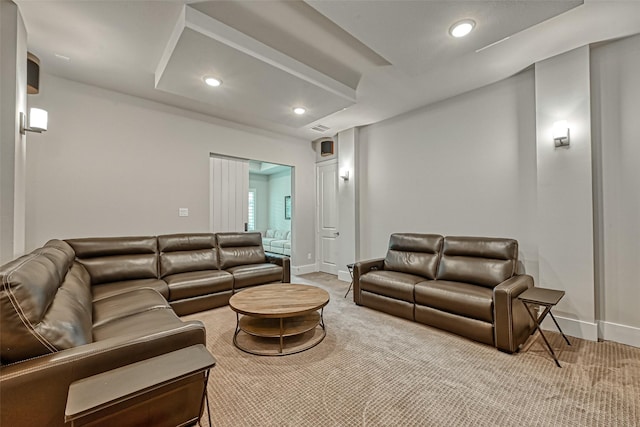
(279, 311)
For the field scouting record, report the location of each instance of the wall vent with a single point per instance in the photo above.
(320, 128)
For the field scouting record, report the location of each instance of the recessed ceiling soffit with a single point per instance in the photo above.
(255, 76)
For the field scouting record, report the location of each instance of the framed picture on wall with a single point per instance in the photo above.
(287, 207)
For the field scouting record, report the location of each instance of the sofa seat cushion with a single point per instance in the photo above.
(139, 324)
(125, 304)
(459, 298)
(255, 274)
(107, 289)
(196, 283)
(268, 240)
(390, 283)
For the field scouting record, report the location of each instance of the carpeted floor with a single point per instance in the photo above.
(373, 369)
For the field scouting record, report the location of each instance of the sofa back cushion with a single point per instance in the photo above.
(180, 253)
(270, 233)
(414, 253)
(481, 261)
(115, 259)
(281, 234)
(240, 249)
(45, 303)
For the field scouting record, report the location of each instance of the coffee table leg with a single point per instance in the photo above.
(281, 333)
(235, 334)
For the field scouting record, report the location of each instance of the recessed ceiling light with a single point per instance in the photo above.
(212, 81)
(299, 110)
(462, 28)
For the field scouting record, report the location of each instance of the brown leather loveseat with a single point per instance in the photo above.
(465, 285)
(76, 308)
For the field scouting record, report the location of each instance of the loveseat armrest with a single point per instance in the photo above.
(512, 324)
(360, 268)
(285, 263)
(43, 382)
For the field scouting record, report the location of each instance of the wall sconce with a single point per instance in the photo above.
(344, 174)
(561, 133)
(37, 121)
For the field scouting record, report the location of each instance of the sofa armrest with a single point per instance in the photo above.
(363, 267)
(43, 382)
(285, 263)
(512, 324)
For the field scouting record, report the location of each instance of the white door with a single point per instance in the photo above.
(229, 196)
(327, 176)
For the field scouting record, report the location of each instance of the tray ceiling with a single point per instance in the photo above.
(350, 63)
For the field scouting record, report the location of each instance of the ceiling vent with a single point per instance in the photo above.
(320, 128)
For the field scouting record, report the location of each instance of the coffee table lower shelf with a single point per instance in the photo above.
(280, 328)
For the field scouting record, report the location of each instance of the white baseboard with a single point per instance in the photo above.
(344, 276)
(304, 269)
(623, 334)
(573, 327)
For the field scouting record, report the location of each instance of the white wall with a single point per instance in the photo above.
(279, 187)
(347, 202)
(615, 85)
(261, 185)
(13, 101)
(565, 201)
(112, 164)
(463, 166)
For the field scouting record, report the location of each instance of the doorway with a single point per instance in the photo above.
(252, 195)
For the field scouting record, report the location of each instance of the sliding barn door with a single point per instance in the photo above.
(229, 181)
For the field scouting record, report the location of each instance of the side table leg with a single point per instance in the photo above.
(349, 290)
(535, 321)
(350, 284)
(558, 326)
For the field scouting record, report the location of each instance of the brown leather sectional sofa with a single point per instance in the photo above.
(75, 308)
(465, 285)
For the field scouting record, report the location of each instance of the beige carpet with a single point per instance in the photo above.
(373, 369)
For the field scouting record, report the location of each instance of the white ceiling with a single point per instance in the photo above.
(263, 168)
(350, 63)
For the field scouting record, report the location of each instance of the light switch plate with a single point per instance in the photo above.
(183, 212)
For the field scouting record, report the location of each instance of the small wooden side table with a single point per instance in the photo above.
(144, 393)
(547, 298)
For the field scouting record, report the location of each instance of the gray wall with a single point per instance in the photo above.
(564, 190)
(615, 86)
(464, 166)
(279, 187)
(13, 99)
(113, 164)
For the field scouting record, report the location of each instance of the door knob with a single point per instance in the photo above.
(336, 234)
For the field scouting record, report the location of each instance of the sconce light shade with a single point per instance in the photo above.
(344, 174)
(561, 133)
(38, 120)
